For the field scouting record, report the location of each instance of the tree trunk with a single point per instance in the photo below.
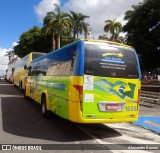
(77, 36)
(59, 40)
(74, 33)
(53, 43)
(9, 58)
(86, 35)
(112, 37)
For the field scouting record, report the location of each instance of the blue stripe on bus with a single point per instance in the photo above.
(139, 69)
(79, 62)
(81, 72)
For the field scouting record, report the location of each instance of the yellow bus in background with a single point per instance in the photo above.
(10, 70)
(9, 74)
(20, 69)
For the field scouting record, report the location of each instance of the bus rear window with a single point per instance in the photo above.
(108, 61)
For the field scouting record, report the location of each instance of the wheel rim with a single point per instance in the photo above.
(43, 105)
(43, 108)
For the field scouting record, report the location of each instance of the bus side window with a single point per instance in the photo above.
(73, 61)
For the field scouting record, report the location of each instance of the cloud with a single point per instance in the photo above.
(14, 44)
(43, 7)
(100, 11)
(4, 60)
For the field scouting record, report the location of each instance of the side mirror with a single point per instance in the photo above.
(25, 67)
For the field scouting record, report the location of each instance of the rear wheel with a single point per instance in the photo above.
(24, 94)
(14, 84)
(20, 86)
(45, 112)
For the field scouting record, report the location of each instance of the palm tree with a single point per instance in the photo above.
(9, 54)
(113, 27)
(103, 37)
(49, 28)
(57, 23)
(120, 39)
(78, 24)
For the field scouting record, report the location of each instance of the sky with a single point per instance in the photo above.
(18, 16)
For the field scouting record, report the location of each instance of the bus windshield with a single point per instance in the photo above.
(110, 61)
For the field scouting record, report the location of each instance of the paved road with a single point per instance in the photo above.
(21, 123)
(149, 109)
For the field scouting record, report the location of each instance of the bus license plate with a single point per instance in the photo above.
(112, 107)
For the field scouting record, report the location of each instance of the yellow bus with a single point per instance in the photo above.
(20, 69)
(9, 73)
(10, 70)
(87, 82)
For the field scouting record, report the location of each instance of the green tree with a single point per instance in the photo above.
(33, 40)
(78, 23)
(120, 39)
(66, 39)
(114, 28)
(103, 37)
(143, 28)
(57, 23)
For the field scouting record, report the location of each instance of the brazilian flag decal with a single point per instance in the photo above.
(119, 88)
(123, 90)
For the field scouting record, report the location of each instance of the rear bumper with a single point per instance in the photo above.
(105, 120)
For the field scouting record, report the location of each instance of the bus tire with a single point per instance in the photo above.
(20, 86)
(14, 84)
(44, 111)
(9, 80)
(24, 94)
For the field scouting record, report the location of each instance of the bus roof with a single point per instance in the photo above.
(108, 42)
(84, 40)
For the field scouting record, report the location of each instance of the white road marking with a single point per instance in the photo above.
(2, 95)
(6, 84)
(132, 128)
(105, 142)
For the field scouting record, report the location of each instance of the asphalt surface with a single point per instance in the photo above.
(149, 109)
(21, 123)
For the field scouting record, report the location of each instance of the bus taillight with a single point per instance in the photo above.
(80, 90)
(139, 95)
(138, 98)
